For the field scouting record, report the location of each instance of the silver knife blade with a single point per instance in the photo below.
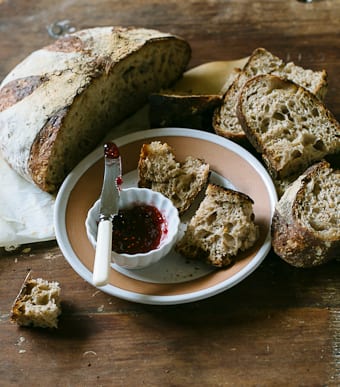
(109, 198)
(109, 206)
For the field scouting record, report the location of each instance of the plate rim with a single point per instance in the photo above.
(73, 177)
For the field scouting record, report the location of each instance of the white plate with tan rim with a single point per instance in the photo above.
(174, 279)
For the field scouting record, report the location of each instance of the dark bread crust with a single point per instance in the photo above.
(297, 246)
(291, 239)
(67, 44)
(41, 151)
(17, 90)
(182, 110)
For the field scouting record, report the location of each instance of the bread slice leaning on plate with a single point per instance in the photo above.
(58, 103)
(306, 221)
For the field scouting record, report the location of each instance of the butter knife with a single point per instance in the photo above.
(109, 206)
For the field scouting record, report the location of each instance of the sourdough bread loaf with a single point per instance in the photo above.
(261, 61)
(306, 221)
(37, 304)
(59, 102)
(223, 226)
(181, 182)
(287, 124)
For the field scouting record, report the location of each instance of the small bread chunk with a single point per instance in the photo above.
(37, 304)
(306, 221)
(157, 163)
(261, 61)
(222, 226)
(287, 124)
(180, 182)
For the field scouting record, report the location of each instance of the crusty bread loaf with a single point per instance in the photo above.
(222, 226)
(225, 120)
(306, 221)
(180, 182)
(287, 124)
(37, 304)
(58, 104)
(169, 109)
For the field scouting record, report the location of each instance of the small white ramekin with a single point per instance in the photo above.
(138, 196)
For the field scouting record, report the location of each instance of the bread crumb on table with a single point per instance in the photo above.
(37, 304)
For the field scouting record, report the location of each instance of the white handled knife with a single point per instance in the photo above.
(109, 206)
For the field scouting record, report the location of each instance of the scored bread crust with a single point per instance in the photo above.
(287, 125)
(58, 103)
(306, 222)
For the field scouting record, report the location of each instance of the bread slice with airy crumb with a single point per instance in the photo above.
(180, 182)
(225, 120)
(37, 304)
(157, 164)
(306, 221)
(287, 124)
(222, 226)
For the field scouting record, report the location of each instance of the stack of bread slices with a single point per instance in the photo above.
(276, 110)
(277, 107)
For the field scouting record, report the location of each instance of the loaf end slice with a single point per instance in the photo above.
(222, 226)
(287, 124)
(37, 304)
(306, 221)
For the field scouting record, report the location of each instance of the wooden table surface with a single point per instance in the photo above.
(279, 327)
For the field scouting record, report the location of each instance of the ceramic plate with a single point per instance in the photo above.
(173, 280)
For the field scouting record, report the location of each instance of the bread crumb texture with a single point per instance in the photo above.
(38, 304)
(180, 182)
(287, 124)
(222, 226)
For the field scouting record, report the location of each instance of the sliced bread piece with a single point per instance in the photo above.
(225, 120)
(37, 304)
(222, 226)
(180, 182)
(306, 221)
(157, 164)
(287, 124)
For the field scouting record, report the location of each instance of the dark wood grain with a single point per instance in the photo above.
(279, 327)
